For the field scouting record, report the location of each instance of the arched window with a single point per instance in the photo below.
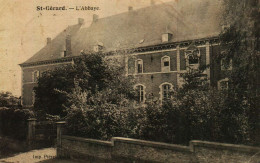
(223, 84)
(35, 76)
(165, 91)
(193, 59)
(192, 56)
(140, 93)
(226, 64)
(139, 66)
(165, 64)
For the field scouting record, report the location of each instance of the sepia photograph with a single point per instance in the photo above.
(129, 81)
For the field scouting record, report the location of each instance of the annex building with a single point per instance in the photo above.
(155, 44)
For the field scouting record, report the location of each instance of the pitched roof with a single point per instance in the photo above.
(185, 19)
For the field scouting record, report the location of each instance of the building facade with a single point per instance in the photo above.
(156, 44)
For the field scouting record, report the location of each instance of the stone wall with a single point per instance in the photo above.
(220, 152)
(132, 150)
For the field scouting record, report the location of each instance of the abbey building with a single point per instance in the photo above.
(155, 44)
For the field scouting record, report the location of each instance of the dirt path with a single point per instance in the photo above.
(31, 156)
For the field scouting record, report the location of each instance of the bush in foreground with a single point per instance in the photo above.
(13, 122)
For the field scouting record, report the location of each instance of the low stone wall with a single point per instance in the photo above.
(132, 150)
(122, 150)
(221, 152)
(81, 148)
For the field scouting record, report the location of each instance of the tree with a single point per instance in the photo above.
(194, 111)
(91, 73)
(240, 42)
(199, 111)
(8, 100)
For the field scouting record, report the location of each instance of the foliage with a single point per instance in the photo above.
(13, 122)
(200, 113)
(195, 111)
(240, 42)
(8, 100)
(90, 72)
(97, 97)
(100, 115)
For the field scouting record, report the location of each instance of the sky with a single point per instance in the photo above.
(23, 30)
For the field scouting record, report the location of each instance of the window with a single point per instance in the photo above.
(140, 94)
(165, 64)
(226, 64)
(35, 76)
(223, 84)
(193, 60)
(192, 56)
(131, 65)
(99, 47)
(139, 64)
(165, 91)
(225, 27)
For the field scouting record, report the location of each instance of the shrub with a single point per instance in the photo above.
(90, 72)
(13, 122)
(198, 115)
(8, 100)
(102, 115)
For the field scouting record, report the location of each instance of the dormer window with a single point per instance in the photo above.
(165, 64)
(139, 66)
(35, 76)
(98, 47)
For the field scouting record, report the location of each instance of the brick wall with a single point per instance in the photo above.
(153, 81)
(152, 61)
(151, 78)
(132, 150)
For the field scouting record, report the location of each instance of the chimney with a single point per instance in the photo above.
(166, 37)
(48, 40)
(80, 21)
(130, 8)
(68, 45)
(98, 47)
(63, 52)
(95, 18)
(152, 2)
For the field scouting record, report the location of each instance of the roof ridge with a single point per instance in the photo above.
(134, 10)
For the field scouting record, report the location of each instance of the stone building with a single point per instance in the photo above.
(156, 44)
